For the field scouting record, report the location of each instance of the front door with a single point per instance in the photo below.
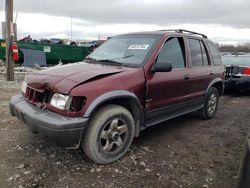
(166, 91)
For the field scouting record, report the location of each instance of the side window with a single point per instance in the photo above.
(204, 54)
(214, 53)
(173, 51)
(196, 54)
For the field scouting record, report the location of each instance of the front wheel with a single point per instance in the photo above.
(210, 105)
(109, 134)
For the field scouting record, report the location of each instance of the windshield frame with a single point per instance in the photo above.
(157, 38)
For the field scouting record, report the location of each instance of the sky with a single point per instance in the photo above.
(224, 21)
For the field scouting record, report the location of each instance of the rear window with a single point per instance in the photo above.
(214, 53)
(198, 53)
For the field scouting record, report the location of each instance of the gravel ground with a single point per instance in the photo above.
(183, 152)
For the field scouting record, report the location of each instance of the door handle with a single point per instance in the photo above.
(211, 73)
(186, 77)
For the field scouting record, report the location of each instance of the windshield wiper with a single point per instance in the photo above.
(127, 56)
(90, 58)
(110, 61)
(113, 61)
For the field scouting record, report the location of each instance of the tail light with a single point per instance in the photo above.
(246, 71)
(15, 55)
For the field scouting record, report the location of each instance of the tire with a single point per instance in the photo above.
(109, 134)
(210, 105)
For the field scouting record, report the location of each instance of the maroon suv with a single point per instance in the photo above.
(129, 83)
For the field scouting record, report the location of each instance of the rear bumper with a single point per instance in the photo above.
(63, 131)
(237, 84)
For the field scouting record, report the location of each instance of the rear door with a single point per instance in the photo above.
(201, 72)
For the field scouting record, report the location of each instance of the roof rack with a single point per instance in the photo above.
(184, 31)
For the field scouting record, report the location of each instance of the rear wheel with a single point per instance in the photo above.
(109, 134)
(210, 105)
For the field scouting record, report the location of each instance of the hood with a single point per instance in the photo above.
(62, 79)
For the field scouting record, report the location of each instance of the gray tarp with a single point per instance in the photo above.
(32, 57)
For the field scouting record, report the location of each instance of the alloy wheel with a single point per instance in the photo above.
(113, 135)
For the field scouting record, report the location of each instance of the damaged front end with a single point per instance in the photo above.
(47, 106)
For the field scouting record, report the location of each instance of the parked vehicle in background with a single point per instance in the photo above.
(237, 78)
(86, 44)
(129, 83)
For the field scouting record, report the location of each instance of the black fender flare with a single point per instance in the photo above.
(116, 95)
(215, 81)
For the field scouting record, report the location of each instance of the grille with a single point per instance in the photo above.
(35, 96)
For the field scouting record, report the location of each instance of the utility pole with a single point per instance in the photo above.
(71, 31)
(9, 39)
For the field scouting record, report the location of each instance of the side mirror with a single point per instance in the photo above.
(162, 67)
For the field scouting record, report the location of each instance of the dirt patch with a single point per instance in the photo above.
(183, 152)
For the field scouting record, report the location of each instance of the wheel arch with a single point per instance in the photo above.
(123, 98)
(218, 84)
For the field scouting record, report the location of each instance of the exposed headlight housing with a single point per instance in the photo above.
(61, 101)
(24, 87)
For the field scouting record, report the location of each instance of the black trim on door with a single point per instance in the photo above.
(162, 114)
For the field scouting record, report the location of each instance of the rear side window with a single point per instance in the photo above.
(214, 53)
(204, 54)
(173, 51)
(196, 53)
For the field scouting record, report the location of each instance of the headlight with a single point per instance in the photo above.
(24, 87)
(61, 101)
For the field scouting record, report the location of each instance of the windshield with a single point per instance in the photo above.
(125, 50)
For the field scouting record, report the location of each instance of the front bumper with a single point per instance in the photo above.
(63, 131)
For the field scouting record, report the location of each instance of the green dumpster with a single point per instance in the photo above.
(54, 52)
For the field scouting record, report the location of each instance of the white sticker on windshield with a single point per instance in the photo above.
(138, 46)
